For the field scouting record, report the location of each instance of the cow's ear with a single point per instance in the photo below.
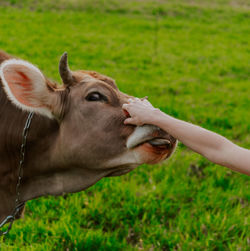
(26, 87)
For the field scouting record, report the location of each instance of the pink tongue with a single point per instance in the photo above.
(159, 142)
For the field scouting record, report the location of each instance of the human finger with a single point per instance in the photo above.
(125, 106)
(129, 121)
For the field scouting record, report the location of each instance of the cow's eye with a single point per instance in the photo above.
(96, 96)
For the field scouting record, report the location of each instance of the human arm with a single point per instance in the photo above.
(213, 146)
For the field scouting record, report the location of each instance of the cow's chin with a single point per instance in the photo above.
(149, 154)
(144, 153)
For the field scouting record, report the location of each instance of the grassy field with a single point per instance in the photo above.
(192, 59)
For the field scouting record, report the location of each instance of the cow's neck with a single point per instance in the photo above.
(41, 138)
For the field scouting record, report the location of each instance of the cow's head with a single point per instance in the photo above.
(92, 141)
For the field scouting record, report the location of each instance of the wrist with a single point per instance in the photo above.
(155, 116)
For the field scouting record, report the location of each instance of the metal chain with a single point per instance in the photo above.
(18, 205)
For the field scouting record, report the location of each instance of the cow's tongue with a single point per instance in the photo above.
(159, 142)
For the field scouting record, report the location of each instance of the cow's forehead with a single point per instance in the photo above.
(88, 82)
(90, 76)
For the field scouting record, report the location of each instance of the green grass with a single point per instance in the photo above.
(192, 60)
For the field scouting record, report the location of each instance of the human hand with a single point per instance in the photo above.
(141, 112)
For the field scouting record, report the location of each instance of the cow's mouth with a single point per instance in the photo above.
(160, 143)
(152, 135)
(152, 143)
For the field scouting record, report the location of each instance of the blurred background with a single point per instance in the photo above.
(191, 58)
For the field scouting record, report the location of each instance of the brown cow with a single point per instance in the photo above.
(77, 135)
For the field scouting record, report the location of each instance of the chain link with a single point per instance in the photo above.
(18, 205)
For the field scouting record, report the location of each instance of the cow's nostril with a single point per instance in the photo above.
(126, 114)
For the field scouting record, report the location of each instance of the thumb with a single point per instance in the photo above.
(129, 121)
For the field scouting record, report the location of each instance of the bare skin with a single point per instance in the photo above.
(212, 146)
